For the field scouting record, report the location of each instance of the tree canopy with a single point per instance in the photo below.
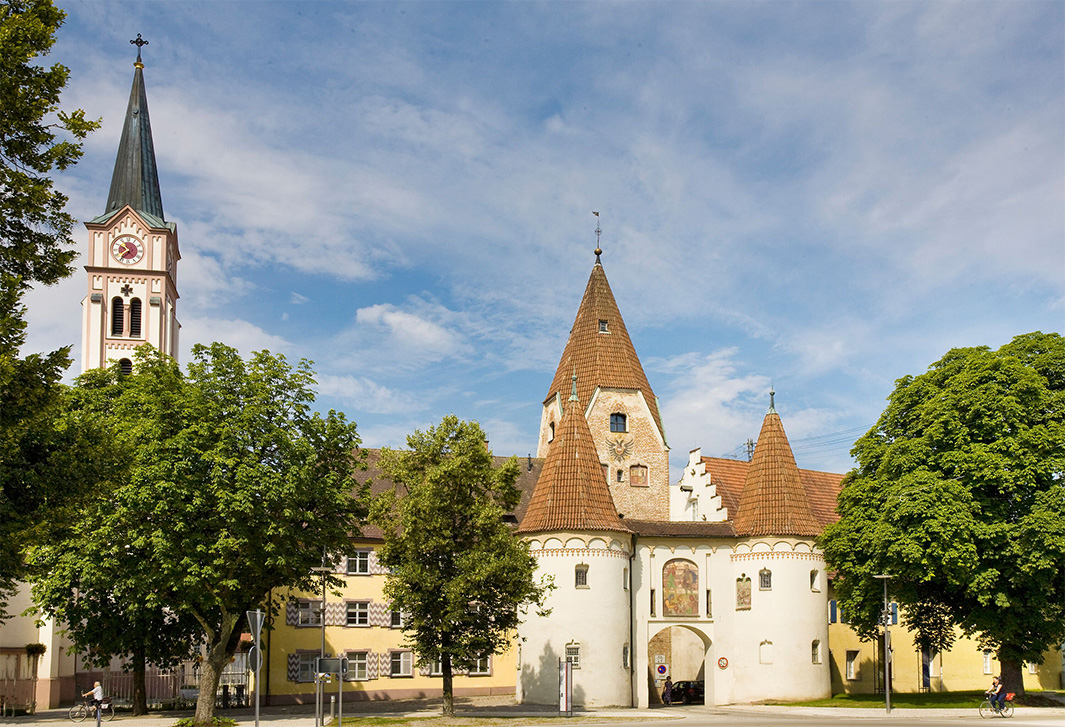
(35, 239)
(457, 572)
(232, 487)
(959, 494)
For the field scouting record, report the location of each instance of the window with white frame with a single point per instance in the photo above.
(310, 613)
(852, 665)
(815, 651)
(306, 670)
(358, 666)
(580, 576)
(358, 613)
(481, 666)
(359, 563)
(401, 664)
(1031, 667)
(397, 621)
(573, 655)
(987, 661)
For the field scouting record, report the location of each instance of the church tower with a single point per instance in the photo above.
(621, 410)
(133, 252)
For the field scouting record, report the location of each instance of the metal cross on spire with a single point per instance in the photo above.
(598, 232)
(140, 43)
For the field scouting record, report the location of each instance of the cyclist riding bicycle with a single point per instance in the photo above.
(97, 693)
(997, 694)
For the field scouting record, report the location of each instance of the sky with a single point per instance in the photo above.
(816, 197)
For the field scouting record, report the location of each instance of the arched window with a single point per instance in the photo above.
(618, 422)
(135, 318)
(125, 366)
(680, 588)
(743, 593)
(765, 580)
(118, 316)
(580, 576)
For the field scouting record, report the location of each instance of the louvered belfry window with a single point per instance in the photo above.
(118, 315)
(135, 318)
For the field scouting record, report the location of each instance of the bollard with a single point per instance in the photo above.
(332, 707)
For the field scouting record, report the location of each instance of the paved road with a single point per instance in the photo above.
(692, 716)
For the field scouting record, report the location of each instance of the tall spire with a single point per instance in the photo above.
(599, 349)
(773, 500)
(135, 181)
(572, 491)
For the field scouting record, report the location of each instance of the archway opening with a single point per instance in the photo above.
(683, 651)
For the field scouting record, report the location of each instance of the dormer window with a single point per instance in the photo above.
(551, 432)
(603, 328)
(618, 423)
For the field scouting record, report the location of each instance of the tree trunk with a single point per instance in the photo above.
(1012, 676)
(140, 691)
(218, 655)
(449, 690)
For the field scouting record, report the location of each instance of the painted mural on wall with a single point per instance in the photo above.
(680, 588)
(743, 592)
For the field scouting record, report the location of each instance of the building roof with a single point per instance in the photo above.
(774, 500)
(572, 492)
(822, 488)
(135, 181)
(601, 359)
(682, 529)
(379, 482)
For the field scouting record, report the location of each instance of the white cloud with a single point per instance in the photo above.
(241, 335)
(369, 396)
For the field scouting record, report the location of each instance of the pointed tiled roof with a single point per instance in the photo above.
(601, 359)
(135, 181)
(774, 501)
(572, 492)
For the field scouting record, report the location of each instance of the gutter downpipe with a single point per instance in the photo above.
(633, 699)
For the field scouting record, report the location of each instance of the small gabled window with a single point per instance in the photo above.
(765, 580)
(580, 576)
(603, 327)
(551, 432)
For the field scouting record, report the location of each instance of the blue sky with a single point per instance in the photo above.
(820, 196)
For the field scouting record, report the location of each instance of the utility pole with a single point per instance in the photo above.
(886, 620)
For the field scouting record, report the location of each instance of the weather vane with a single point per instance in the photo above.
(598, 232)
(140, 43)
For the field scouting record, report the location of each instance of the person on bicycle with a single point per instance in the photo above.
(997, 694)
(97, 693)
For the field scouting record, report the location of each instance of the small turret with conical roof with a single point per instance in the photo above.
(773, 500)
(572, 493)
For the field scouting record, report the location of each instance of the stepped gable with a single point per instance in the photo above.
(572, 493)
(773, 500)
(601, 359)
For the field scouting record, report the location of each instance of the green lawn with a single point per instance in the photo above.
(923, 700)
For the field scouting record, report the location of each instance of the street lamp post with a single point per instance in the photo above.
(886, 619)
(319, 693)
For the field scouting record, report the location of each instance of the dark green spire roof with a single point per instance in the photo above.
(136, 179)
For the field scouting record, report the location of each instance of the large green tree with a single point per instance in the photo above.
(35, 247)
(234, 488)
(959, 493)
(457, 572)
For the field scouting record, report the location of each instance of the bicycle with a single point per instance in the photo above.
(80, 712)
(987, 709)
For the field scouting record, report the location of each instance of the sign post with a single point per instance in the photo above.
(326, 667)
(255, 656)
(565, 687)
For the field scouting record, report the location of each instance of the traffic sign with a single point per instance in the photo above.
(255, 624)
(255, 659)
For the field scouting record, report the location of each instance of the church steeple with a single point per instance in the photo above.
(773, 500)
(135, 181)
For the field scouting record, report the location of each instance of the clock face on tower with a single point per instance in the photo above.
(127, 250)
